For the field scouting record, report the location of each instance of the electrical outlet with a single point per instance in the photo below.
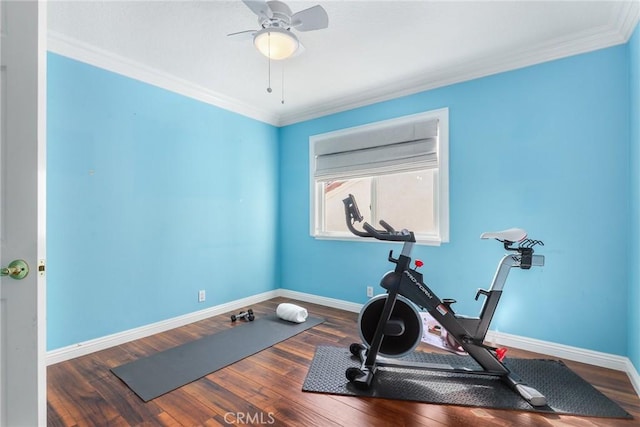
(201, 296)
(369, 291)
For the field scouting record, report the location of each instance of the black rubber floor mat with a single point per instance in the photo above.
(162, 372)
(565, 391)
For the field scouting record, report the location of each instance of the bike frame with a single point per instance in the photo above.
(469, 332)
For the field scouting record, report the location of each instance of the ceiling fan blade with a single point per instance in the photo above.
(314, 18)
(279, 8)
(260, 8)
(243, 35)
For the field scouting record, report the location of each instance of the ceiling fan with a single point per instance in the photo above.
(274, 39)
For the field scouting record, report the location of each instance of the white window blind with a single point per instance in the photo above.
(397, 167)
(399, 147)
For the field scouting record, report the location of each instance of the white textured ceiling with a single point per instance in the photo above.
(372, 50)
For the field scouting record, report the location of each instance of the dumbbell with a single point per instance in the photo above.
(245, 315)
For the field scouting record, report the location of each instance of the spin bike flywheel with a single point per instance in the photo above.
(403, 332)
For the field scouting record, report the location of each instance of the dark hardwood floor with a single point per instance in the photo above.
(265, 389)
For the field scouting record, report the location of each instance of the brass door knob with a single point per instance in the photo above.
(17, 269)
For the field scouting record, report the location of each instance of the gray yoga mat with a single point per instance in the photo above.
(168, 370)
(566, 392)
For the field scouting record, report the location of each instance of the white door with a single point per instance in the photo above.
(22, 209)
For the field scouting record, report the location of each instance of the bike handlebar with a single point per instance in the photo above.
(352, 214)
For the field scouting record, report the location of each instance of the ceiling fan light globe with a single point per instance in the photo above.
(276, 43)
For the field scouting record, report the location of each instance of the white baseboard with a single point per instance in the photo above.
(87, 347)
(634, 377)
(315, 299)
(591, 357)
(576, 354)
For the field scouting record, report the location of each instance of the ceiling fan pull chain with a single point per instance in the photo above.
(269, 59)
(282, 99)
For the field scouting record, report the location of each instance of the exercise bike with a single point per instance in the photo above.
(391, 326)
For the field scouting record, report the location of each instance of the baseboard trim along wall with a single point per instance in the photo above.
(605, 360)
(590, 357)
(634, 377)
(315, 299)
(547, 348)
(87, 347)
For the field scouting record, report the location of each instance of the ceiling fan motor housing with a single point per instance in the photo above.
(281, 16)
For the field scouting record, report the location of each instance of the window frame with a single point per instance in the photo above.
(441, 189)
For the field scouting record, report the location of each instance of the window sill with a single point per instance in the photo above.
(420, 240)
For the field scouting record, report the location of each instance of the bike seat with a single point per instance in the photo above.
(511, 235)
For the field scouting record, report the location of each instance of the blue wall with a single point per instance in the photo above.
(152, 196)
(144, 186)
(544, 148)
(634, 235)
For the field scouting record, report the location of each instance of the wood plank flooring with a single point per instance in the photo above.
(265, 389)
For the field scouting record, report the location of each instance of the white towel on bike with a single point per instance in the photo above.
(291, 312)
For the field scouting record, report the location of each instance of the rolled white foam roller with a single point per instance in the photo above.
(291, 312)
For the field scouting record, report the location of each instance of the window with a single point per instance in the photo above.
(396, 169)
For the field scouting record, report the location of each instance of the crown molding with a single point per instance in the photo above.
(627, 18)
(618, 31)
(89, 54)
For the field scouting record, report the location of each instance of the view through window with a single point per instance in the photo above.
(395, 171)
